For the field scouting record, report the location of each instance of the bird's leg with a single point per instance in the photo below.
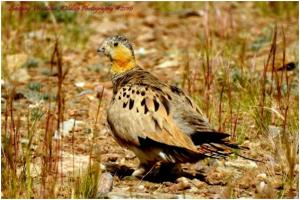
(140, 171)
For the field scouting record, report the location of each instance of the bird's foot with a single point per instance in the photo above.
(145, 169)
(139, 172)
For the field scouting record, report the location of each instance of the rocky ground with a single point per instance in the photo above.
(178, 42)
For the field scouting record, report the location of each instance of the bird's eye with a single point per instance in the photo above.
(115, 44)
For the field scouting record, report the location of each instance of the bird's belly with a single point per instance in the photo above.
(127, 125)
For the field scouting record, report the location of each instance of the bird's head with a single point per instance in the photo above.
(120, 52)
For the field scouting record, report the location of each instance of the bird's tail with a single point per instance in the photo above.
(223, 150)
(211, 150)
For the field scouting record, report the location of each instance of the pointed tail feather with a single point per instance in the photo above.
(225, 149)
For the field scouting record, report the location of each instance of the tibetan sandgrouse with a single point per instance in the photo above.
(158, 122)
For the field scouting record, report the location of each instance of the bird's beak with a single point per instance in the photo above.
(101, 50)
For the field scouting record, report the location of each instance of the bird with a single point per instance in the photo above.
(157, 121)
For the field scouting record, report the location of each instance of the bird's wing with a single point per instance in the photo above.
(191, 120)
(143, 112)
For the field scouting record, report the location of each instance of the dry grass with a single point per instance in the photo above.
(229, 62)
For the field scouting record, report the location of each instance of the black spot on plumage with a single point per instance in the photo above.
(124, 94)
(146, 88)
(125, 104)
(143, 102)
(157, 89)
(143, 93)
(131, 103)
(146, 109)
(133, 91)
(165, 103)
(137, 110)
(124, 89)
(137, 92)
(156, 105)
(169, 97)
(129, 88)
(176, 90)
(190, 102)
(119, 98)
(128, 96)
(157, 127)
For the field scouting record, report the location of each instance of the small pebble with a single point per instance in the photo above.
(79, 84)
(129, 155)
(296, 168)
(241, 164)
(262, 176)
(24, 141)
(105, 184)
(122, 161)
(197, 183)
(141, 187)
(184, 181)
(261, 187)
(102, 167)
(193, 189)
(182, 184)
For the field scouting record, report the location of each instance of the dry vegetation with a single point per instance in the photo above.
(239, 62)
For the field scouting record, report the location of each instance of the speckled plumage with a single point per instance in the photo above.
(158, 122)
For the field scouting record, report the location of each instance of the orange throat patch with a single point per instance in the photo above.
(119, 66)
(123, 60)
